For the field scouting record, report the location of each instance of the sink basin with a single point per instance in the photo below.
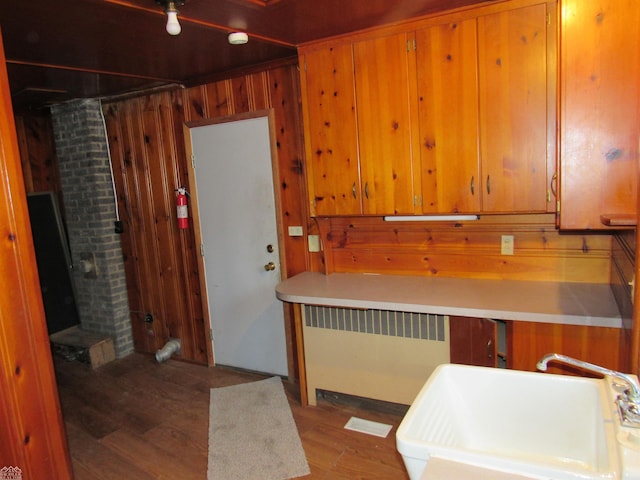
(542, 425)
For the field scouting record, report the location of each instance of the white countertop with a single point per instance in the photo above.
(548, 302)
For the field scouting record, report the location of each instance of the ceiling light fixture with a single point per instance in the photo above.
(173, 26)
(238, 38)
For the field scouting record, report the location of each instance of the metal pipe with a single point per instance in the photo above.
(174, 345)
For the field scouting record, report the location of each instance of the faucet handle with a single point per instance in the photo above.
(629, 411)
(631, 394)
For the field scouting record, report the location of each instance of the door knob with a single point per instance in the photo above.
(270, 266)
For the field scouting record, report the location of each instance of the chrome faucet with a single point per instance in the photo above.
(632, 394)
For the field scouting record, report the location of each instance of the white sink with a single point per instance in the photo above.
(542, 425)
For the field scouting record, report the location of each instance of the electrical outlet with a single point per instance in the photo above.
(314, 243)
(506, 246)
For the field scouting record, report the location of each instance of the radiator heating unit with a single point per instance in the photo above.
(379, 354)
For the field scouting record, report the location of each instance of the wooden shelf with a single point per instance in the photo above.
(619, 220)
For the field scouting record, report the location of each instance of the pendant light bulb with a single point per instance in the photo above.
(173, 26)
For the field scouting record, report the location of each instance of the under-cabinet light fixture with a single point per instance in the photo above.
(238, 38)
(173, 26)
(430, 218)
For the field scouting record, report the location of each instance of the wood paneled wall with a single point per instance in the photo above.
(148, 155)
(31, 428)
(465, 249)
(38, 153)
(147, 147)
(604, 346)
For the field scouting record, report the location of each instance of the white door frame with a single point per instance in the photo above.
(195, 214)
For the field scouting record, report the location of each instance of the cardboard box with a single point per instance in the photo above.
(95, 349)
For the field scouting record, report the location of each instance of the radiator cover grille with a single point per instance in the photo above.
(381, 354)
(421, 326)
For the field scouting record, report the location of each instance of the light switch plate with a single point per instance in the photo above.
(506, 246)
(295, 231)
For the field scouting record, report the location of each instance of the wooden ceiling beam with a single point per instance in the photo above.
(92, 70)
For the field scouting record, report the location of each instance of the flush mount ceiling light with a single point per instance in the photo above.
(238, 38)
(173, 26)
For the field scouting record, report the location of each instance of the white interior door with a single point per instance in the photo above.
(237, 213)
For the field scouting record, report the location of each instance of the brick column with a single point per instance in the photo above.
(89, 205)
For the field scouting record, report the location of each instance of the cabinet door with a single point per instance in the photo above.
(600, 118)
(384, 124)
(473, 341)
(331, 134)
(446, 63)
(512, 62)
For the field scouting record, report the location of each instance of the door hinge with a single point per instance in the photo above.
(202, 250)
(548, 18)
(193, 161)
(211, 334)
(411, 43)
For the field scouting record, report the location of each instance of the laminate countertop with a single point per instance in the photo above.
(586, 304)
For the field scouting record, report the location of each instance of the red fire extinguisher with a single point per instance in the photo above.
(181, 204)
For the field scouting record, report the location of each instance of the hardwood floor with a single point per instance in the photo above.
(135, 419)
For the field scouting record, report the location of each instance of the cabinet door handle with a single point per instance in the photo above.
(473, 185)
(489, 184)
(490, 348)
(554, 184)
(366, 190)
(353, 190)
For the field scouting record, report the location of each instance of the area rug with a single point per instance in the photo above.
(252, 434)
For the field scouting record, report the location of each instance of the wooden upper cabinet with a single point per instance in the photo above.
(454, 114)
(448, 117)
(331, 132)
(384, 124)
(512, 64)
(483, 108)
(600, 118)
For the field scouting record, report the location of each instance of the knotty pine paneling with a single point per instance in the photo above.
(38, 153)
(33, 436)
(469, 249)
(530, 341)
(161, 262)
(148, 154)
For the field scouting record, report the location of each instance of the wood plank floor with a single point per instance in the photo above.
(135, 419)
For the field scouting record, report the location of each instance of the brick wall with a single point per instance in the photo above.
(89, 205)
